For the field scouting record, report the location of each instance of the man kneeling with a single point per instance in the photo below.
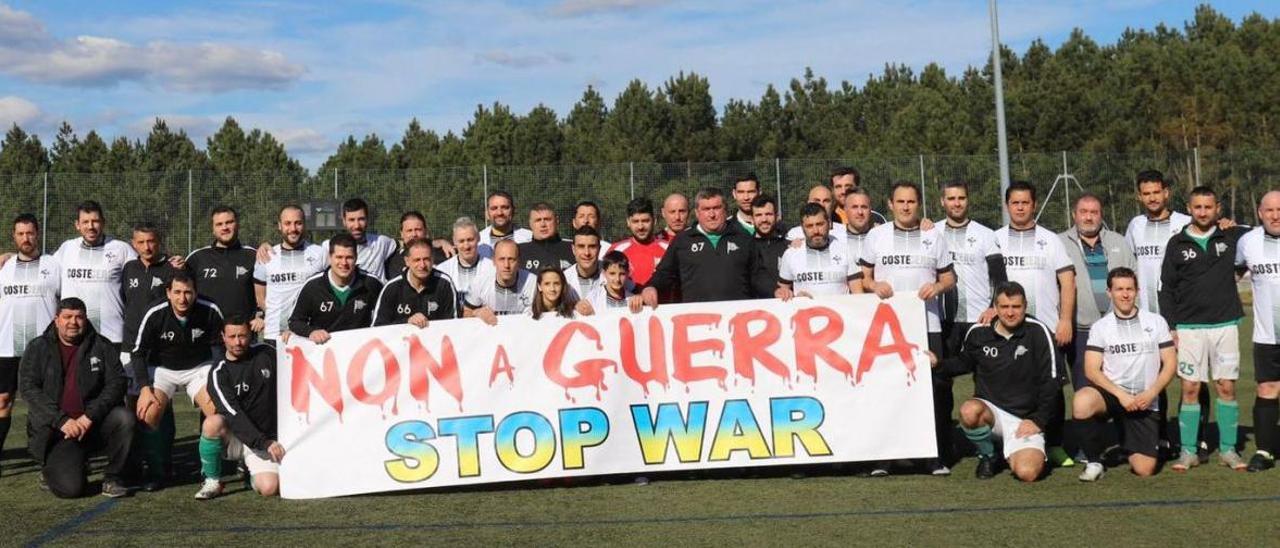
(244, 390)
(1015, 377)
(1129, 359)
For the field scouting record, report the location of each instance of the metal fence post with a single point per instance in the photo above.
(777, 177)
(335, 183)
(485, 198)
(632, 167)
(924, 203)
(190, 209)
(1196, 152)
(1066, 191)
(44, 217)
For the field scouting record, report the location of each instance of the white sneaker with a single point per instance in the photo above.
(210, 489)
(1092, 472)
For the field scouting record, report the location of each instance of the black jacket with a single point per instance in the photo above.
(99, 378)
(704, 272)
(1198, 285)
(163, 341)
(395, 263)
(318, 308)
(1021, 374)
(554, 251)
(224, 275)
(142, 287)
(768, 250)
(437, 301)
(244, 392)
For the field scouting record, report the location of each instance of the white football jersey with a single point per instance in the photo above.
(970, 246)
(1260, 253)
(28, 301)
(93, 274)
(372, 255)
(908, 259)
(1148, 239)
(485, 291)
(487, 239)
(603, 304)
(1130, 348)
(1033, 258)
(581, 287)
(284, 275)
(825, 271)
(463, 276)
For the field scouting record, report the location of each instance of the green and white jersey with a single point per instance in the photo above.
(284, 275)
(28, 301)
(93, 274)
(1260, 253)
(1148, 239)
(825, 271)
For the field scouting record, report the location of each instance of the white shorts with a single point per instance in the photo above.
(1203, 353)
(192, 380)
(258, 462)
(1005, 425)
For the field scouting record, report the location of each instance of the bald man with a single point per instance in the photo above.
(821, 195)
(1259, 253)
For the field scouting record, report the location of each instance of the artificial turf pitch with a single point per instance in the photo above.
(1210, 505)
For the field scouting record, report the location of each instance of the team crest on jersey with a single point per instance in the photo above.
(196, 332)
(311, 259)
(266, 373)
(1041, 244)
(432, 307)
(93, 363)
(971, 240)
(156, 282)
(359, 305)
(1220, 247)
(732, 247)
(836, 259)
(44, 272)
(241, 271)
(1020, 350)
(926, 243)
(110, 255)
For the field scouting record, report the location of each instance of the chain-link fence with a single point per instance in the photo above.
(180, 202)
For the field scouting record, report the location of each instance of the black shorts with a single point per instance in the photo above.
(9, 376)
(1141, 428)
(1266, 362)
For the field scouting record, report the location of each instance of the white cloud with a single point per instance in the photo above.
(30, 52)
(574, 8)
(16, 110)
(303, 140)
(506, 59)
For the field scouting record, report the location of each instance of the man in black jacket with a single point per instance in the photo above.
(547, 248)
(1199, 300)
(421, 293)
(224, 269)
(769, 244)
(244, 391)
(709, 262)
(1015, 367)
(74, 386)
(340, 298)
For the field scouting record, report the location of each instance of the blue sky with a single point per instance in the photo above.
(313, 72)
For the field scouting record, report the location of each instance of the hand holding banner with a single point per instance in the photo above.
(690, 386)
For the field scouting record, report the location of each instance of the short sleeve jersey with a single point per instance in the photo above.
(1130, 348)
(1148, 239)
(93, 274)
(372, 255)
(28, 301)
(825, 271)
(284, 275)
(463, 276)
(908, 259)
(970, 246)
(1033, 258)
(504, 301)
(1260, 253)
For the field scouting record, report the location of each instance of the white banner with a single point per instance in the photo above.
(709, 385)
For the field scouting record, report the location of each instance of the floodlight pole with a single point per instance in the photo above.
(1002, 143)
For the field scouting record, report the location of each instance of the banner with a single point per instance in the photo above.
(682, 387)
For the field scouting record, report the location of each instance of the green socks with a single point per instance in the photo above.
(1228, 423)
(155, 448)
(211, 457)
(981, 438)
(1189, 426)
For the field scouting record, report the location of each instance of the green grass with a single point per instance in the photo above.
(1209, 504)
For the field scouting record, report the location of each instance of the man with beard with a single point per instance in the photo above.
(278, 281)
(413, 226)
(821, 267)
(822, 196)
(1259, 253)
(92, 270)
(224, 270)
(643, 248)
(979, 268)
(587, 213)
(500, 210)
(745, 190)
(769, 245)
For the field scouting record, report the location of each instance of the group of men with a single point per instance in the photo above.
(100, 336)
